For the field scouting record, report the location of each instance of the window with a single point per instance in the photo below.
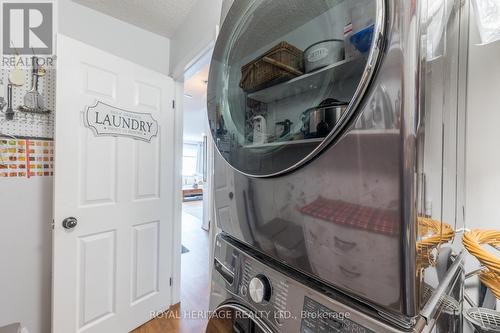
(190, 159)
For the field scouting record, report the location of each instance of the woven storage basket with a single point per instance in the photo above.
(281, 63)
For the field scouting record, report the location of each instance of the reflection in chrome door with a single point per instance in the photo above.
(345, 210)
(259, 81)
(233, 318)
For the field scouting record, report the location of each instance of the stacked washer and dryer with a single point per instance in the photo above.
(338, 177)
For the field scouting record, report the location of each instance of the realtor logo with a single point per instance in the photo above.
(27, 28)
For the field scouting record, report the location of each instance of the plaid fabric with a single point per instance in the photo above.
(360, 217)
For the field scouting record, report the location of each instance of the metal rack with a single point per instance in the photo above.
(33, 125)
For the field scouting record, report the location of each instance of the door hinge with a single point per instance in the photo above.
(52, 224)
(171, 281)
(173, 104)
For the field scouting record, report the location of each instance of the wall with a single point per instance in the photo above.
(25, 252)
(26, 208)
(483, 136)
(194, 36)
(194, 124)
(483, 140)
(114, 36)
(26, 204)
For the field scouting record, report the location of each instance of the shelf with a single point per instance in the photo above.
(284, 143)
(357, 132)
(332, 74)
(374, 132)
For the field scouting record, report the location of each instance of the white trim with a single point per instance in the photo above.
(177, 225)
(204, 57)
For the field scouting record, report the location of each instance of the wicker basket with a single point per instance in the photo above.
(282, 63)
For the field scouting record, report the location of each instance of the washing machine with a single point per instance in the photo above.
(339, 127)
(253, 295)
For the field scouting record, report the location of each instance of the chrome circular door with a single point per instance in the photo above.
(232, 318)
(286, 76)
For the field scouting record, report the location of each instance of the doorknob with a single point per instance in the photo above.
(69, 223)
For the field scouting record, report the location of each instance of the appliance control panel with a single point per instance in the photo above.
(280, 299)
(317, 318)
(264, 289)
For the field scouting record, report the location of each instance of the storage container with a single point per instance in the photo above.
(282, 63)
(322, 54)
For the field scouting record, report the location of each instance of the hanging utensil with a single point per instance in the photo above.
(9, 113)
(17, 76)
(2, 99)
(41, 71)
(33, 101)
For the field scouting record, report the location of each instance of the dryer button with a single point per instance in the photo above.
(260, 289)
(244, 290)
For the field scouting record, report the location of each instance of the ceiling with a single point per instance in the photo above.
(195, 104)
(162, 17)
(269, 21)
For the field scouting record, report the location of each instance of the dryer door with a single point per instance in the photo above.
(232, 318)
(286, 77)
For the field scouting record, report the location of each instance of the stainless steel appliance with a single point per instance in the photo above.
(283, 128)
(363, 209)
(251, 294)
(318, 121)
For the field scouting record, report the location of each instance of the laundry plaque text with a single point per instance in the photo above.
(107, 120)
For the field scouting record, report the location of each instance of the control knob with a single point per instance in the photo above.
(259, 289)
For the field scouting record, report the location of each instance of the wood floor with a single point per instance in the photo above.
(194, 284)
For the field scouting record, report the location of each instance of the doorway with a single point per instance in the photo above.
(195, 194)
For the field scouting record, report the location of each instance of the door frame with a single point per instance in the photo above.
(177, 225)
(194, 66)
(179, 132)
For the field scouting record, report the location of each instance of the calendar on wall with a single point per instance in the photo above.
(26, 158)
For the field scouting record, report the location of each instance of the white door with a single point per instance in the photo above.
(111, 271)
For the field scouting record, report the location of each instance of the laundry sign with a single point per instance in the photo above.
(107, 120)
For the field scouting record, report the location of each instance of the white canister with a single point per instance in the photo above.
(259, 130)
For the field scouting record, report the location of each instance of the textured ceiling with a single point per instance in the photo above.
(272, 19)
(162, 17)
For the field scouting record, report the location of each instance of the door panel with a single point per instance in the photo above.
(97, 277)
(113, 269)
(98, 169)
(148, 96)
(101, 82)
(145, 267)
(147, 170)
